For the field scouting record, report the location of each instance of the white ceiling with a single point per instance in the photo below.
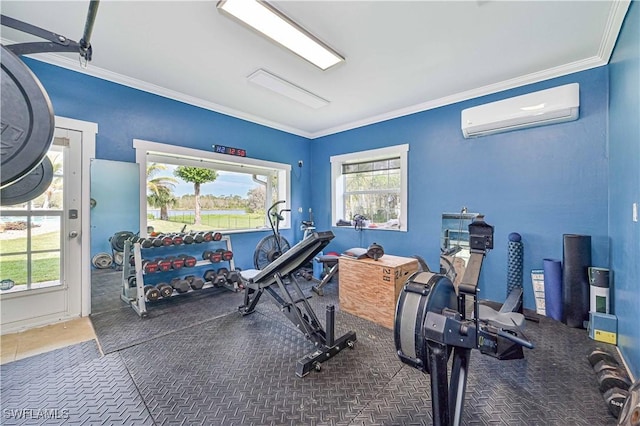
(401, 57)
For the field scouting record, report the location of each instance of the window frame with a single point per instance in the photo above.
(146, 150)
(337, 180)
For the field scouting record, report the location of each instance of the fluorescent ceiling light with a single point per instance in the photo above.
(272, 82)
(272, 23)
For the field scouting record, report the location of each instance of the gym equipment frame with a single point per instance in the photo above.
(295, 306)
(139, 301)
(431, 324)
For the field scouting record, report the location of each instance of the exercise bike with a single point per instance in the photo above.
(272, 246)
(431, 325)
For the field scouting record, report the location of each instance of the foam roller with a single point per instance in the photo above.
(576, 258)
(515, 260)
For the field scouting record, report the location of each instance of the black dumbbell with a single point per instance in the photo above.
(165, 289)
(234, 277)
(177, 240)
(615, 399)
(180, 285)
(151, 293)
(132, 281)
(198, 237)
(188, 239)
(157, 241)
(209, 275)
(224, 272)
(615, 378)
(227, 255)
(195, 283)
(600, 354)
(604, 365)
(146, 243)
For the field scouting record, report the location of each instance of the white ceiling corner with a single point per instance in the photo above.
(402, 57)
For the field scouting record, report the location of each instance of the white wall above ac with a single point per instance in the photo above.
(401, 57)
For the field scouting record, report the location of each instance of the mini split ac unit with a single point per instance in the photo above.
(548, 106)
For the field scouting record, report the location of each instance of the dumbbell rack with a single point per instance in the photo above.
(138, 301)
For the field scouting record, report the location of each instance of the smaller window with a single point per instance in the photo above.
(371, 185)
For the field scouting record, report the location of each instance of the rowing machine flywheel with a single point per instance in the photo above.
(423, 292)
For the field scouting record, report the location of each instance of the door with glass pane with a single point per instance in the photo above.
(38, 242)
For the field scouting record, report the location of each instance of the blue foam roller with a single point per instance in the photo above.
(553, 288)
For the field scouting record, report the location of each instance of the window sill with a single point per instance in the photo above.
(370, 228)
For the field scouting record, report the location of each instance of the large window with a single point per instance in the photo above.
(371, 186)
(198, 190)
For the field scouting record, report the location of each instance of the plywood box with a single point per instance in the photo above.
(369, 288)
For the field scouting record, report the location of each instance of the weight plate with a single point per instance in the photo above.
(27, 120)
(118, 258)
(30, 186)
(102, 260)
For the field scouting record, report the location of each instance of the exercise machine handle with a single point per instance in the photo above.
(515, 339)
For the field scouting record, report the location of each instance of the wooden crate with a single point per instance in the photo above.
(369, 288)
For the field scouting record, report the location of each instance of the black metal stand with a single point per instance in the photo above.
(300, 313)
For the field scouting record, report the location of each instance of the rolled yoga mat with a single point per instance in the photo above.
(514, 267)
(576, 258)
(553, 288)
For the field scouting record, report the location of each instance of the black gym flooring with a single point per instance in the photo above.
(196, 361)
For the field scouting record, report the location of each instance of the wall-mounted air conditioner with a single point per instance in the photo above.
(548, 106)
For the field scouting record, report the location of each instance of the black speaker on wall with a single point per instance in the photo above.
(576, 259)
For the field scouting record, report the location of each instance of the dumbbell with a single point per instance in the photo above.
(613, 378)
(164, 265)
(227, 255)
(189, 261)
(195, 283)
(131, 281)
(176, 262)
(180, 285)
(151, 293)
(157, 241)
(212, 256)
(165, 289)
(146, 243)
(599, 355)
(235, 277)
(150, 266)
(188, 239)
(209, 275)
(224, 272)
(198, 237)
(615, 399)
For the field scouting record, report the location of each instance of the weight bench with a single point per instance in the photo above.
(276, 279)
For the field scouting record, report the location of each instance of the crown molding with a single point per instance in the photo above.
(101, 73)
(615, 19)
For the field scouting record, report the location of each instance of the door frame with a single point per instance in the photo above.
(89, 131)
(81, 303)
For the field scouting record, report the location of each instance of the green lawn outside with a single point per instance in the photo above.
(45, 266)
(209, 222)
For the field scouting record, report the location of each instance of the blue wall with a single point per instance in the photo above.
(541, 182)
(624, 185)
(124, 114)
